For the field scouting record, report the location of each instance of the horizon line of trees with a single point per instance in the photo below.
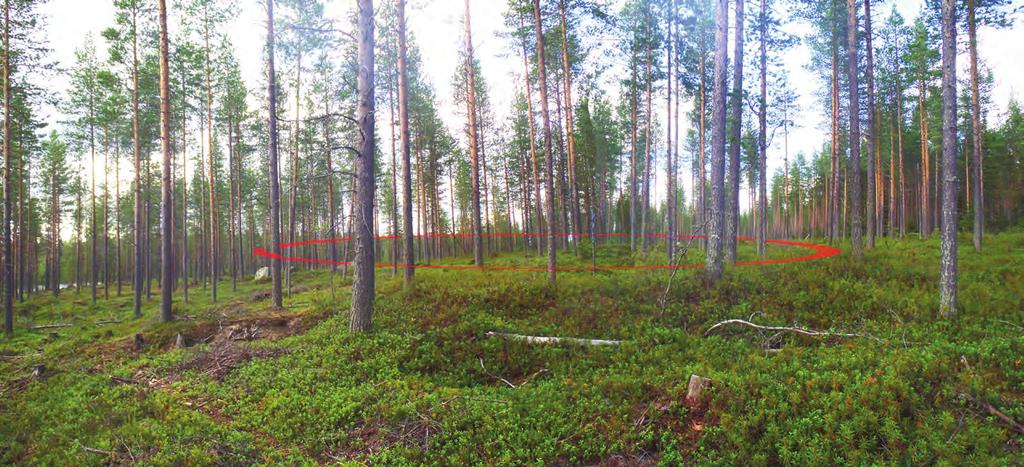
(572, 158)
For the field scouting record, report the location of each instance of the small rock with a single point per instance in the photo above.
(259, 296)
(262, 274)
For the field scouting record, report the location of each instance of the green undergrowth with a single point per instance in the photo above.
(429, 386)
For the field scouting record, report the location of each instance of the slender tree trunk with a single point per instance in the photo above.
(701, 140)
(8, 284)
(762, 138)
(294, 189)
(478, 246)
(872, 193)
(238, 192)
(670, 176)
(714, 254)
(275, 181)
(574, 209)
(736, 107)
(140, 257)
(976, 191)
(106, 214)
(232, 252)
(409, 257)
(166, 204)
(363, 283)
(854, 180)
(212, 178)
(546, 121)
(948, 272)
(184, 204)
(924, 221)
(634, 104)
(533, 144)
(899, 142)
(645, 205)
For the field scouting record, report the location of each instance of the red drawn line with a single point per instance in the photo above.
(820, 252)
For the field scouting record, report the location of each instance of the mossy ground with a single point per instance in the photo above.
(427, 386)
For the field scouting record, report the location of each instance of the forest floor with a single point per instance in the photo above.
(429, 386)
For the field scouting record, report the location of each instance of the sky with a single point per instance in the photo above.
(437, 26)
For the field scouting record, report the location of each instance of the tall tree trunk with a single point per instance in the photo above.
(832, 211)
(533, 144)
(736, 108)
(238, 192)
(275, 181)
(634, 111)
(713, 262)
(140, 256)
(701, 141)
(166, 204)
(645, 201)
(854, 180)
(976, 191)
(363, 283)
(232, 252)
(899, 142)
(670, 175)
(762, 137)
(546, 121)
(212, 178)
(8, 284)
(924, 221)
(948, 272)
(294, 189)
(184, 202)
(106, 214)
(574, 208)
(872, 193)
(409, 257)
(478, 246)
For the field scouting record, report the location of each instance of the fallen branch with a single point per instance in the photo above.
(108, 321)
(552, 340)
(1002, 416)
(120, 380)
(98, 451)
(663, 301)
(495, 376)
(50, 326)
(804, 331)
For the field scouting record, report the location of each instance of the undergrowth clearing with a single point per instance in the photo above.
(428, 386)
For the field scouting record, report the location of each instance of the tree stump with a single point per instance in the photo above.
(138, 342)
(695, 391)
(38, 371)
(181, 341)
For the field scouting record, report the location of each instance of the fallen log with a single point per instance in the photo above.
(50, 326)
(552, 340)
(803, 331)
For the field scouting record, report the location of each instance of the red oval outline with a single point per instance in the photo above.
(820, 252)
